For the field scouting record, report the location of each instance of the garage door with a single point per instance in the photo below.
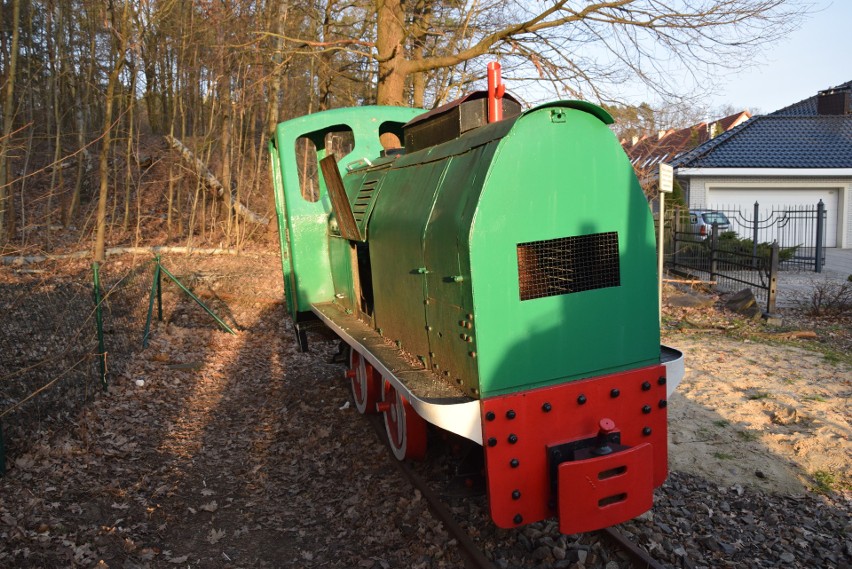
(780, 199)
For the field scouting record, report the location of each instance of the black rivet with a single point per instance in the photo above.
(581, 400)
(661, 381)
(646, 409)
(514, 463)
(516, 495)
(518, 518)
(614, 393)
(646, 431)
(646, 385)
(513, 438)
(492, 442)
(510, 414)
(546, 407)
(663, 403)
(490, 416)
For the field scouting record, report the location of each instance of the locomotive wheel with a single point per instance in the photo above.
(406, 429)
(366, 383)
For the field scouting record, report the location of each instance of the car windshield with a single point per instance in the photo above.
(712, 217)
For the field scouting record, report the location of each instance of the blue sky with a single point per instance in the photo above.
(814, 57)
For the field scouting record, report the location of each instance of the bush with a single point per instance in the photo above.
(729, 241)
(829, 298)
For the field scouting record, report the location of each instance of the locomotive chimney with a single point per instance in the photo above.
(496, 90)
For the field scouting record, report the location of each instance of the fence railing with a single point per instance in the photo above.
(798, 229)
(63, 338)
(725, 262)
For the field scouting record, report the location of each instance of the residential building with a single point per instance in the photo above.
(796, 156)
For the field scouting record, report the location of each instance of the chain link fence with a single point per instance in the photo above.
(56, 355)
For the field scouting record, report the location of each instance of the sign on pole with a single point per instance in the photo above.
(666, 178)
(666, 186)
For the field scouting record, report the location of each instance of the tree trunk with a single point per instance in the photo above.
(128, 158)
(83, 118)
(421, 27)
(54, 84)
(226, 111)
(278, 19)
(8, 123)
(214, 184)
(106, 139)
(391, 53)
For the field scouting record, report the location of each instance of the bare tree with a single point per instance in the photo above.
(582, 50)
(8, 124)
(120, 28)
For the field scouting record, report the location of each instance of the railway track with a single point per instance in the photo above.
(473, 554)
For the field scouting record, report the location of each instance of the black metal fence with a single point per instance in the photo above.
(725, 261)
(799, 230)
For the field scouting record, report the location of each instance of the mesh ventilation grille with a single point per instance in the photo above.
(568, 264)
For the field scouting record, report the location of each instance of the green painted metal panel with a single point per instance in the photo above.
(304, 223)
(283, 241)
(561, 173)
(449, 312)
(340, 253)
(584, 106)
(397, 229)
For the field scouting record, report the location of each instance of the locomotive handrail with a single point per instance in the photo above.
(584, 106)
(358, 164)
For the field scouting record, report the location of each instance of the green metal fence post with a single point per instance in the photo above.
(100, 323)
(196, 299)
(155, 291)
(159, 291)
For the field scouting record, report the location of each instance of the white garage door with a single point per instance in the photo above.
(779, 199)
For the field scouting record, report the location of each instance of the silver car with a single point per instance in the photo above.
(701, 222)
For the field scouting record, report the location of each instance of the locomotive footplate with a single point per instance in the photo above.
(589, 451)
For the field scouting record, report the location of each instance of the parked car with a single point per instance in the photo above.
(701, 222)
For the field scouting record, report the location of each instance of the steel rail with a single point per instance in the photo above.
(474, 558)
(639, 558)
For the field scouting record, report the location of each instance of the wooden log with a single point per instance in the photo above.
(793, 335)
(21, 260)
(689, 281)
(212, 182)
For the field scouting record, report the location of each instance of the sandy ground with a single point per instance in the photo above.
(770, 416)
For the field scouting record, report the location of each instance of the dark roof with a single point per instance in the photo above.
(651, 150)
(778, 142)
(793, 137)
(808, 107)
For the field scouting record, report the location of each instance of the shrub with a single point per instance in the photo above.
(729, 241)
(829, 298)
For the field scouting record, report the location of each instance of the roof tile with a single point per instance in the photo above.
(778, 141)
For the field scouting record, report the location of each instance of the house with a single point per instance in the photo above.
(647, 152)
(796, 156)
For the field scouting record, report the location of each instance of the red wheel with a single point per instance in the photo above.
(366, 383)
(406, 429)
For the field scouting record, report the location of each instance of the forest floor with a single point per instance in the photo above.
(219, 450)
